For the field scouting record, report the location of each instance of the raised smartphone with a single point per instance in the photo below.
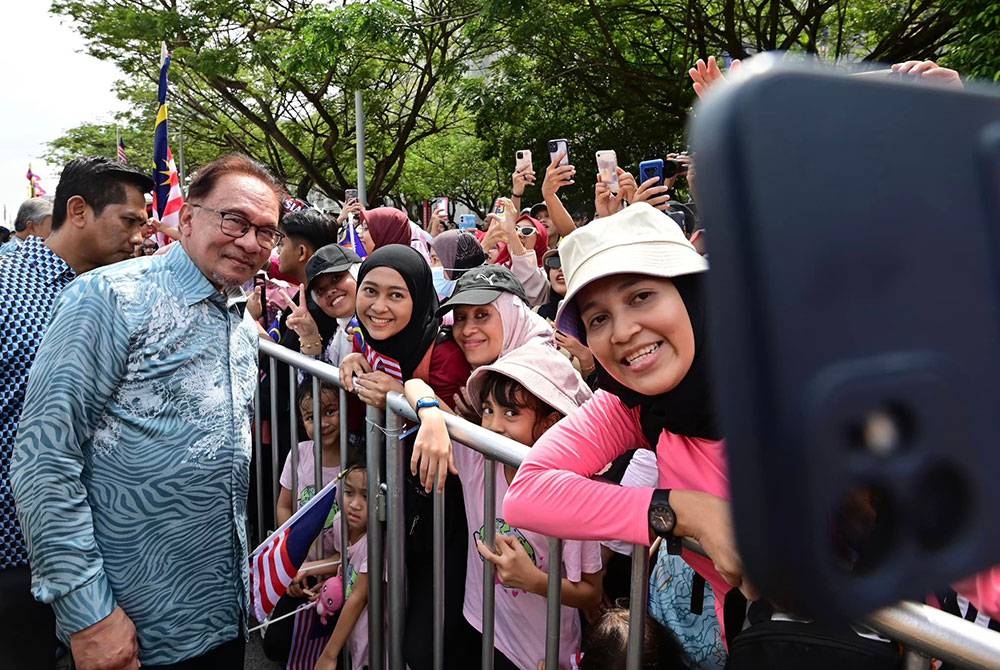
(523, 159)
(650, 169)
(555, 146)
(607, 168)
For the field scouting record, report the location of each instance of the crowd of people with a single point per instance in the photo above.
(125, 455)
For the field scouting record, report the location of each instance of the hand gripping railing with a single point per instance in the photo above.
(919, 627)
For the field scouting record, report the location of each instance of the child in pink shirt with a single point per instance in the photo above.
(352, 626)
(521, 396)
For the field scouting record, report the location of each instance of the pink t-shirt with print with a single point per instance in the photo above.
(307, 488)
(357, 557)
(520, 616)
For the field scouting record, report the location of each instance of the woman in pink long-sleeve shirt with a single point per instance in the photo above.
(634, 295)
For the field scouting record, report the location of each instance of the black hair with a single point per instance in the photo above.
(509, 392)
(305, 390)
(209, 175)
(99, 181)
(4, 234)
(310, 226)
(606, 642)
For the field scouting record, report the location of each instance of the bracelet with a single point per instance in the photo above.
(518, 195)
(318, 342)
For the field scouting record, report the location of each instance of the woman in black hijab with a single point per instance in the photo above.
(401, 340)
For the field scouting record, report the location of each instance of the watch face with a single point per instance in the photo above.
(662, 519)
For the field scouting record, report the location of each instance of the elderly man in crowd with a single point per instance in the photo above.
(131, 466)
(97, 217)
(34, 219)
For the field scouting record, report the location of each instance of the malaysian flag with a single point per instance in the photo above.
(122, 157)
(35, 189)
(386, 364)
(167, 196)
(352, 240)
(274, 563)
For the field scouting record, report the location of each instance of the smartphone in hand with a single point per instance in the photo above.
(523, 159)
(650, 169)
(555, 146)
(607, 167)
(350, 195)
(466, 221)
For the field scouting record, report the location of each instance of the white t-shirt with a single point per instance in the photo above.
(519, 616)
(307, 489)
(357, 557)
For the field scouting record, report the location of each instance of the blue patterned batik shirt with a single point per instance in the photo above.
(30, 280)
(132, 460)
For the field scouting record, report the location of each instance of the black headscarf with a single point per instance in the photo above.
(408, 346)
(688, 408)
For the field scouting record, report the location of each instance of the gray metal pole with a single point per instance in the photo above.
(359, 129)
(437, 534)
(637, 607)
(345, 563)
(259, 463)
(489, 570)
(375, 420)
(396, 536)
(293, 429)
(553, 611)
(274, 434)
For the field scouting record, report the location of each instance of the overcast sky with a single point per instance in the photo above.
(47, 85)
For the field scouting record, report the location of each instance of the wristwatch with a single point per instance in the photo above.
(425, 402)
(662, 520)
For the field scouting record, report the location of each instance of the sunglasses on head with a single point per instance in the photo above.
(553, 263)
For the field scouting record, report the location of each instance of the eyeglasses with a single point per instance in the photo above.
(236, 226)
(553, 263)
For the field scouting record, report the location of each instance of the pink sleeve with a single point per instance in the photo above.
(983, 591)
(553, 494)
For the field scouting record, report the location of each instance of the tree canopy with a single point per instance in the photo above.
(452, 88)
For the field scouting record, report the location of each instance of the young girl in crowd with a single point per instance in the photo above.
(520, 396)
(300, 639)
(352, 624)
(400, 340)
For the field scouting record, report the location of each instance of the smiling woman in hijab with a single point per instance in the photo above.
(400, 340)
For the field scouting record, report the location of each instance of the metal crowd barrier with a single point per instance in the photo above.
(925, 631)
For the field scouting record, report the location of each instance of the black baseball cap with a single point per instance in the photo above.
(536, 208)
(481, 286)
(330, 259)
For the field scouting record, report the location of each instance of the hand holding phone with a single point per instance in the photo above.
(523, 160)
(607, 168)
(555, 148)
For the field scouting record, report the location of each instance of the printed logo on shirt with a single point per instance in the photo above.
(504, 528)
(307, 493)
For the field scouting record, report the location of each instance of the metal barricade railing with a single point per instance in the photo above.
(919, 627)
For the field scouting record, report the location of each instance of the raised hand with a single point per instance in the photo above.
(708, 75)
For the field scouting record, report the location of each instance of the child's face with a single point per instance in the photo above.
(522, 424)
(639, 329)
(356, 500)
(330, 417)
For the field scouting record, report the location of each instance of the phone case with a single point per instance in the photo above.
(524, 160)
(555, 146)
(841, 296)
(607, 167)
(651, 168)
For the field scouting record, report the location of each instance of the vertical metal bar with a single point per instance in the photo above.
(438, 537)
(317, 409)
(259, 467)
(274, 433)
(553, 604)
(375, 420)
(359, 131)
(293, 422)
(345, 563)
(489, 570)
(637, 607)
(396, 535)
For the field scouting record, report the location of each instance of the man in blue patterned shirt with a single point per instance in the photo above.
(131, 466)
(96, 218)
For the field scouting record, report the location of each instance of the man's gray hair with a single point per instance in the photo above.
(32, 209)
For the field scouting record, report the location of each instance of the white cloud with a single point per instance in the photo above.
(48, 85)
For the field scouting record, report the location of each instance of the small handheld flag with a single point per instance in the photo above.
(275, 562)
(122, 157)
(35, 189)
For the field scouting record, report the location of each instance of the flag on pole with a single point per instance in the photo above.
(167, 196)
(122, 157)
(35, 189)
(274, 563)
(352, 240)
